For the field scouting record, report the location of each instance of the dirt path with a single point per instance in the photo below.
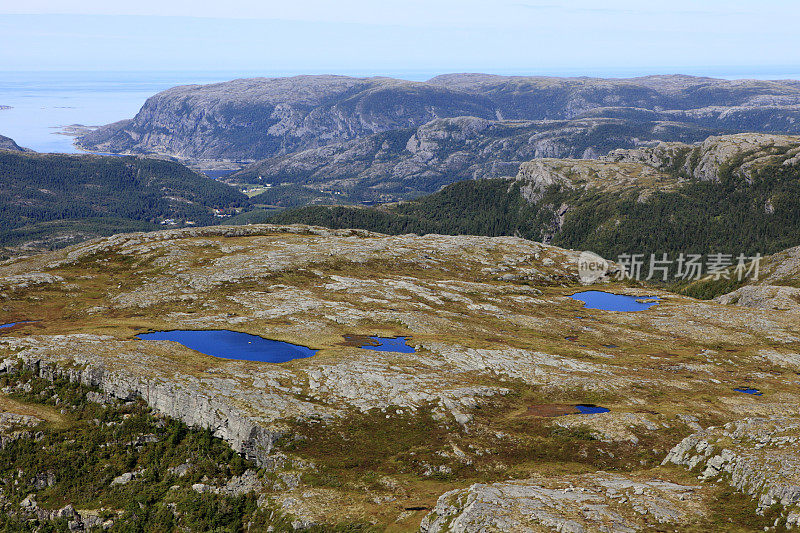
(41, 412)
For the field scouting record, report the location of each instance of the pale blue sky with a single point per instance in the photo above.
(366, 36)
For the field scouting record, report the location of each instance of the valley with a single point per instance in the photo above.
(732, 194)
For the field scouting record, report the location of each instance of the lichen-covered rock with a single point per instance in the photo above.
(741, 154)
(764, 297)
(776, 284)
(593, 502)
(758, 456)
(539, 174)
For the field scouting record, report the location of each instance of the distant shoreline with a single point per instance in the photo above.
(191, 77)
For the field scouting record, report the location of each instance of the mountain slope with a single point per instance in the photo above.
(61, 197)
(776, 287)
(256, 118)
(402, 164)
(733, 194)
(7, 143)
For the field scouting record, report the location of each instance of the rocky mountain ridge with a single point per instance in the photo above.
(252, 119)
(741, 155)
(734, 193)
(776, 287)
(664, 165)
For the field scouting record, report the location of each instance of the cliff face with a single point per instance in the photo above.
(173, 397)
(752, 176)
(259, 118)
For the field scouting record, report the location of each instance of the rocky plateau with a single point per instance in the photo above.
(497, 337)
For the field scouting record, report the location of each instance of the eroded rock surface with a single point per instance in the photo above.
(759, 456)
(741, 155)
(777, 285)
(595, 502)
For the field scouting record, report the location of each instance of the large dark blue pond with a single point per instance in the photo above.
(607, 301)
(586, 409)
(748, 390)
(389, 344)
(233, 345)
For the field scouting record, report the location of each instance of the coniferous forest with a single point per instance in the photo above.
(44, 195)
(731, 215)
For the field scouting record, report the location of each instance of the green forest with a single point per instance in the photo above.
(42, 195)
(94, 443)
(733, 215)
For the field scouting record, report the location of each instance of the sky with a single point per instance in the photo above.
(388, 36)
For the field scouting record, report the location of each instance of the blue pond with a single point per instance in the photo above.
(12, 324)
(233, 345)
(754, 392)
(390, 344)
(607, 301)
(591, 409)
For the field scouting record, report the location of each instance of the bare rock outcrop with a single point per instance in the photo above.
(764, 296)
(592, 502)
(192, 405)
(777, 285)
(758, 456)
(741, 155)
(538, 175)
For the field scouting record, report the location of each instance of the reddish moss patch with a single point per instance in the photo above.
(359, 340)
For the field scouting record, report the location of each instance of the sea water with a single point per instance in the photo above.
(42, 103)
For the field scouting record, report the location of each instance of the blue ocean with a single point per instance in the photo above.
(42, 103)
